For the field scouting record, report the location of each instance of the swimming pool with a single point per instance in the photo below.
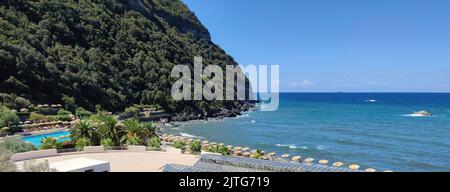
(36, 139)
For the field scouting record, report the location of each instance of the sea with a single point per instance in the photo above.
(376, 130)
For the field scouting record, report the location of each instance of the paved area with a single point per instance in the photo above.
(132, 161)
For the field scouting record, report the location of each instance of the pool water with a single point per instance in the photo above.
(36, 139)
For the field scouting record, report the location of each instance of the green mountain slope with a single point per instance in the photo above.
(114, 53)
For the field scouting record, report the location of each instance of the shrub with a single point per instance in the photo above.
(82, 113)
(16, 145)
(218, 149)
(195, 146)
(48, 143)
(40, 117)
(258, 155)
(64, 118)
(81, 143)
(179, 144)
(134, 140)
(107, 143)
(63, 112)
(47, 111)
(67, 145)
(36, 166)
(5, 164)
(154, 142)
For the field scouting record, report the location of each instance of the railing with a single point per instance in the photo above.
(71, 150)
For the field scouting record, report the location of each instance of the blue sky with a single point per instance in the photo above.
(331, 45)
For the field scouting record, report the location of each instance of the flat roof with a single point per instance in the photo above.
(76, 164)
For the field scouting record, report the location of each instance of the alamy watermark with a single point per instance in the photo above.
(208, 83)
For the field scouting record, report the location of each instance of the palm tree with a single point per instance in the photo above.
(85, 129)
(48, 143)
(133, 130)
(110, 128)
(149, 130)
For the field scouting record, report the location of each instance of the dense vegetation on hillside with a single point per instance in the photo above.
(114, 53)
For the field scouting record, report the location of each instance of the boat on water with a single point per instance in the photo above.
(371, 101)
(422, 114)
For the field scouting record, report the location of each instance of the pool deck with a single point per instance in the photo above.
(122, 161)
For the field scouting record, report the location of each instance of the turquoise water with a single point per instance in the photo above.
(345, 127)
(36, 139)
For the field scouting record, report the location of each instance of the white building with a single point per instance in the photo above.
(81, 165)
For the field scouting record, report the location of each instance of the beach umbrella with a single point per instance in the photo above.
(309, 160)
(338, 164)
(354, 167)
(213, 143)
(245, 149)
(272, 154)
(237, 148)
(323, 161)
(285, 156)
(205, 142)
(229, 147)
(296, 158)
(370, 170)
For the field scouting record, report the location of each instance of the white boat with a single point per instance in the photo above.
(422, 114)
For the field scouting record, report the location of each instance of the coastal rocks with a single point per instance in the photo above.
(338, 164)
(323, 161)
(246, 154)
(354, 167)
(309, 160)
(297, 158)
(237, 153)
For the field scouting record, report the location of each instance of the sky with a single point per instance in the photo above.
(345, 45)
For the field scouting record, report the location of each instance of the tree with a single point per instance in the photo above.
(8, 118)
(85, 129)
(69, 103)
(108, 53)
(133, 130)
(109, 127)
